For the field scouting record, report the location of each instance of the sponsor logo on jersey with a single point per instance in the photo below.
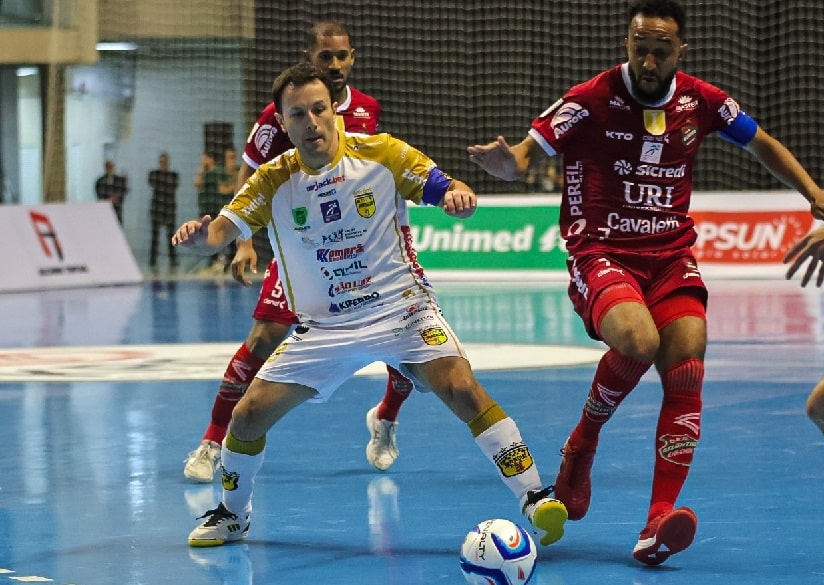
(661, 172)
(655, 121)
(419, 321)
(578, 280)
(686, 103)
(248, 209)
(613, 135)
(566, 117)
(642, 225)
(355, 267)
(410, 176)
(647, 195)
(318, 185)
(573, 187)
(622, 167)
(300, 215)
(625, 168)
(365, 203)
(350, 304)
(349, 286)
(330, 210)
(353, 233)
(513, 460)
(616, 103)
(729, 111)
(434, 336)
(689, 132)
(332, 237)
(360, 112)
(651, 152)
(338, 254)
(263, 138)
(328, 193)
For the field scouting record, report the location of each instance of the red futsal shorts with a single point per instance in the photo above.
(272, 304)
(647, 277)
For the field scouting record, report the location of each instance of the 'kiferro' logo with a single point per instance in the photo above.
(46, 234)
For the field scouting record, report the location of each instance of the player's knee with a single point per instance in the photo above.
(638, 343)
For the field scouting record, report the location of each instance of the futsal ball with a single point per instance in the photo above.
(498, 552)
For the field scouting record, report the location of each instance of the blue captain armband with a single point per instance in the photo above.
(436, 185)
(741, 130)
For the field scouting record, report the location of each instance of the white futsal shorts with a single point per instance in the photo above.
(324, 357)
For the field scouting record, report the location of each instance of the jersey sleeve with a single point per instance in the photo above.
(251, 208)
(727, 117)
(417, 177)
(259, 141)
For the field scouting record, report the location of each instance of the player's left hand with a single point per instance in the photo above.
(810, 248)
(459, 203)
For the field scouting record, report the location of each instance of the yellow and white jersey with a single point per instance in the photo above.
(341, 233)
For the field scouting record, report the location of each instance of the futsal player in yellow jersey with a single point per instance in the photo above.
(339, 201)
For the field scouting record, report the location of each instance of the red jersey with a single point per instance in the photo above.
(628, 166)
(361, 114)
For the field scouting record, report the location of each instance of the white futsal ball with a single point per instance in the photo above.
(498, 552)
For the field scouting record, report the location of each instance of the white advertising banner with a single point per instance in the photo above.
(63, 245)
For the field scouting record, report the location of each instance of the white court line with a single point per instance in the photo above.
(207, 361)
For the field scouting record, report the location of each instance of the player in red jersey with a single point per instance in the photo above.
(328, 47)
(629, 138)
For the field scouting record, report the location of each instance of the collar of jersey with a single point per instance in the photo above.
(628, 85)
(331, 164)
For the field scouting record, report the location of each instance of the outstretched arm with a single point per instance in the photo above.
(785, 167)
(205, 236)
(811, 248)
(501, 160)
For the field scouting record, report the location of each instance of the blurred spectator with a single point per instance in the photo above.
(163, 210)
(112, 187)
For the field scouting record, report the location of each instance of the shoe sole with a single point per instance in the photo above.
(675, 533)
(198, 479)
(550, 518)
(199, 543)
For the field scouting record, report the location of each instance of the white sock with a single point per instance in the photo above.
(238, 478)
(502, 444)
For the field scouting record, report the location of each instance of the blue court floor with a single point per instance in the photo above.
(103, 392)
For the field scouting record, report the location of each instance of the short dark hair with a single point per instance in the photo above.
(298, 75)
(662, 9)
(326, 28)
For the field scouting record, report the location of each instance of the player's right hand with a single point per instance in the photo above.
(192, 232)
(496, 158)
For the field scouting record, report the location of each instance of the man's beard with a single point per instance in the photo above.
(655, 96)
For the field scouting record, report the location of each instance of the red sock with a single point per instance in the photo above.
(679, 428)
(398, 388)
(239, 373)
(615, 377)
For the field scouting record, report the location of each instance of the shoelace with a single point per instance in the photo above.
(217, 515)
(538, 495)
